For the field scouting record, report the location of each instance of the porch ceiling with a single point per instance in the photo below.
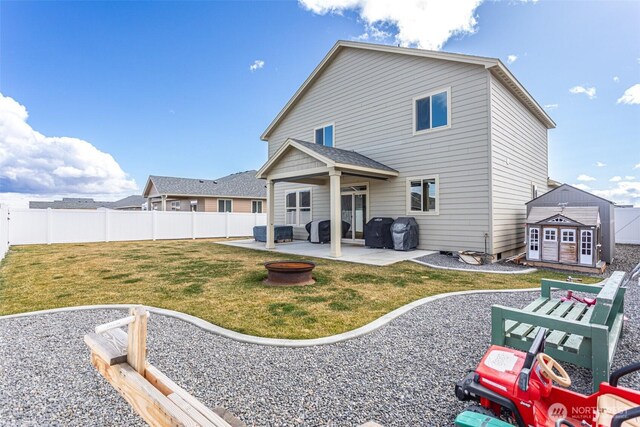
(302, 161)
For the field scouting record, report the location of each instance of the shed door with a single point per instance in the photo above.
(586, 247)
(550, 244)
(534, 243)
(568, 245)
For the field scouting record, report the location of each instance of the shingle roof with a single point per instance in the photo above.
(241, 184)
(345, 157)
(129, 201)
(88, 203)
(587, 215)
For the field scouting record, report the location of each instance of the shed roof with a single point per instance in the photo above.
(241, 184)
(567, 186)
(494, 65)
(587, 215)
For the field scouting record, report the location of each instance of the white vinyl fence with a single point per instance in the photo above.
(37, 226)
(4, 231)
(628, 225)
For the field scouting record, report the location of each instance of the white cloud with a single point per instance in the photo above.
(637, 166)
(584, 187)
(33, 163)
(550, 107)
(585, 178)
(626, 192)
(427, 24)
(257, 64)
(616, 178)
(616, 79)
(631, 95)
(629, 178)
(600, 164)
(589, 91)
(512, 58)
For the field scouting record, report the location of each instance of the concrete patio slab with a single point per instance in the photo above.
(350, 253)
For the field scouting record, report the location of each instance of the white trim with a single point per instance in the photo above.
(297, 191)
(333, 125)
(531, 254)
(435, 212)
(225, 200)
(429, 95)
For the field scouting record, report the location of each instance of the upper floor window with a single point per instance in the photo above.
(423, 195)
(324, 135)
(224, 205)
(431, 111)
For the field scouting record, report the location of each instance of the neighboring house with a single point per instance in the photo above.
(128, 203)
(379, 131)
(566, 195)
(238, 192)
(565, 237)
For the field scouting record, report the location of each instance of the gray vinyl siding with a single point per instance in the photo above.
(369, 95)
(295, 161)
(519, 159)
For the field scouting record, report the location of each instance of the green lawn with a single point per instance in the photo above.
(222, 284)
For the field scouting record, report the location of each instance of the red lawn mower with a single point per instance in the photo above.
(515, 388)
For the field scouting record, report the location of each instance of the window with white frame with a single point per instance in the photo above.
(550, 235)
(224, 205)
(175, 205)
(324, 135)
(432, 111)
(298, 207)
(256, 206)
(422, 195)
(568, 236)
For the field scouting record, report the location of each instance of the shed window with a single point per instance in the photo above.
(298, 207)
(224, 205)
(431, 111)
(422, 195)
(550, 235)
(324, 135)
(568, 236)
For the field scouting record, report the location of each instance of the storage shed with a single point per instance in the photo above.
(564, 236)
(574, 197)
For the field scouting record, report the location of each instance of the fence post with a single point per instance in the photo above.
(153, 225)
(106, 225)
(226, 224)
(193, 225)
(48, 226)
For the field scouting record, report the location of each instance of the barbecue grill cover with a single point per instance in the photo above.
(324, 231)
(377, 233)
(404, 232)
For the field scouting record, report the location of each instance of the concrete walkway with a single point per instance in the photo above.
(350, 253)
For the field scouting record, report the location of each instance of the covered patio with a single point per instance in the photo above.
(349, 252)
(304, 162)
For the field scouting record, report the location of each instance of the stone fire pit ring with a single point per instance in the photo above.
(289, 273)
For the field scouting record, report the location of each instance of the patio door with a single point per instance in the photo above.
(586, 247)
(354, 209)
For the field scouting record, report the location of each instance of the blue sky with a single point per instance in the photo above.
(120, 90)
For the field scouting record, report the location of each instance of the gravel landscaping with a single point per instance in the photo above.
(402, 374)
(452, 262)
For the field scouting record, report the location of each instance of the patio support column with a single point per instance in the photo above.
(336, 218)
(163, 204)
(270, 215)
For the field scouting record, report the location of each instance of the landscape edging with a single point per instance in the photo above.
(524, 271)
(277, 342)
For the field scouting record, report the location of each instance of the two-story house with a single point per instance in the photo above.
(379, 131)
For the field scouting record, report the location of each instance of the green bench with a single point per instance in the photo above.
(583, 335)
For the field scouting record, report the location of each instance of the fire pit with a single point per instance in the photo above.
(289, 273)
